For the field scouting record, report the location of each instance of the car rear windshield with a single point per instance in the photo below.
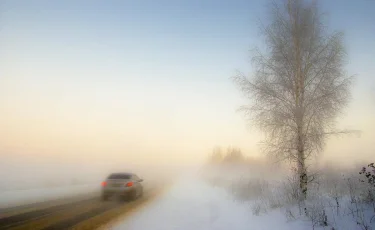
(119, 176)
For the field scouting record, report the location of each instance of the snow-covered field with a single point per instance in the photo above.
(26, 180)
(12, 198)
(192, 203)
(237, 201)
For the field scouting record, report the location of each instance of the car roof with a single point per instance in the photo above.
(123, 173)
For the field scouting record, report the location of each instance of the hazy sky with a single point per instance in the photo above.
(149, 80)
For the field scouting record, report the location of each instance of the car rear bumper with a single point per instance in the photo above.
(118, 191)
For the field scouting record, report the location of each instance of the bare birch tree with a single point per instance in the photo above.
(299, 86)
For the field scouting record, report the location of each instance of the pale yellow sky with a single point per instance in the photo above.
(116, 124)
(81, 126)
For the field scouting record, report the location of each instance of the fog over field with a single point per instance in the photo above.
(24, 173)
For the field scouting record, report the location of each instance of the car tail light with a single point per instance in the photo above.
(104, 183)
(129, 184)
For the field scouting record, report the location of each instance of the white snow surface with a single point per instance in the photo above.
(11, 198)
(194, 204)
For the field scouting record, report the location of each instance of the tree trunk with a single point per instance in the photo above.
(302, 172)
(299, 99)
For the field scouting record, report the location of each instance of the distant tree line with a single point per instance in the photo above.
(228, 155)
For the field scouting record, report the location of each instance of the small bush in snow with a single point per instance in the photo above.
(369, 173)
(290, 190)
(258, 207)
(315, 211)
(369, 181)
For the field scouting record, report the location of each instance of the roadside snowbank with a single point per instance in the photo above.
(193, 204)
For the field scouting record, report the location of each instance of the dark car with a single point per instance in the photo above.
(126, 185)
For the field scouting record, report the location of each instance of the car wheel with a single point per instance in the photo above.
(133, 195)
(141, 193)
